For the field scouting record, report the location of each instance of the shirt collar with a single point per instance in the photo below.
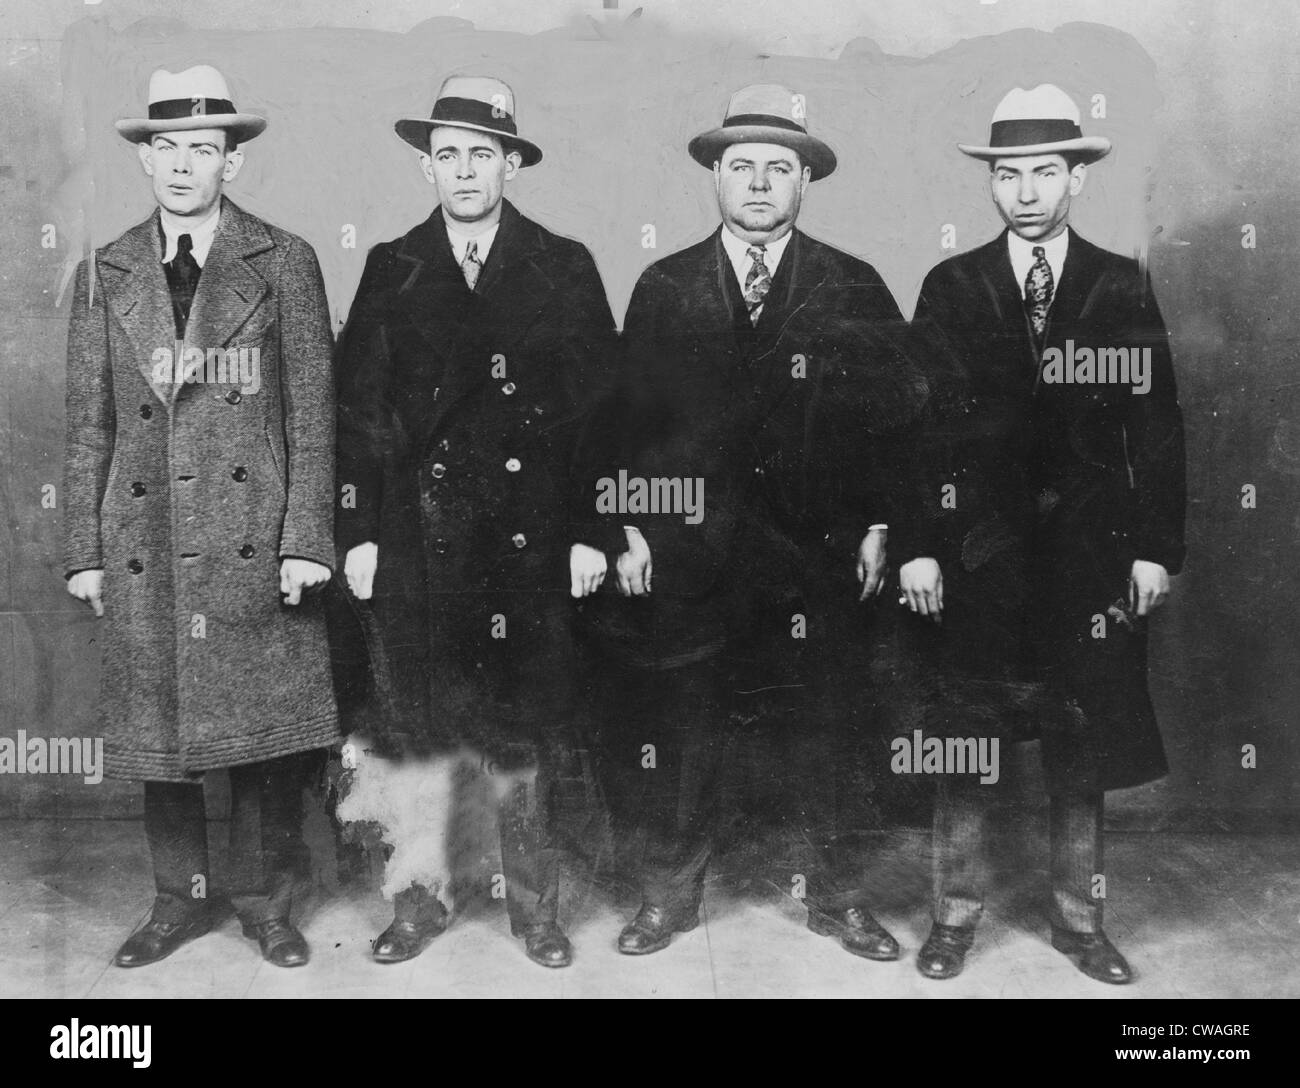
(201, 234)
(738, 252)
(1022, 255)
(460, 242)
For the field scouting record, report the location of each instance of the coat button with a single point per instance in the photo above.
(146, 411)
(234, 396)
(137, 489)
(513, 465)
(135, 566)
(438, 471)
(508, 388)
(444, 445)
(440, 546)
(519, 540)
(240, 474)
(247, 551)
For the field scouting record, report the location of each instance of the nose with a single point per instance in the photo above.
(1028, 190)
(465, 167)
(759, 182)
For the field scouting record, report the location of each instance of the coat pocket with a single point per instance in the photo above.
(275, 446)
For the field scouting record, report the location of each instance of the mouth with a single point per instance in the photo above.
(465, 192)
(178, 188)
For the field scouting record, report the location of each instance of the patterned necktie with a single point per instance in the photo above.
(1038, 292)
(758, 283)
(183, 281)
(471, 266)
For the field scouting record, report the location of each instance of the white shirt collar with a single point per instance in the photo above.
(1022, 256)
(460, 242)
(201, 234)
(738, 251)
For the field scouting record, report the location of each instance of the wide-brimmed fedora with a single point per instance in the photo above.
(478, 103)
(195, 98)
(764, 113)
(1042, 121)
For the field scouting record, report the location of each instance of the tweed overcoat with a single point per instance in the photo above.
(1055, 489)
(459, 411)
(189, 494)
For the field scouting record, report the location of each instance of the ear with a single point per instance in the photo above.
(234, 161)
(1077, 177)
(426, 164)
(717, 177)
(514, 162)
(145, 151)
(806, 178)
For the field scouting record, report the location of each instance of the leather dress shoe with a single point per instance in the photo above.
(857, 930)
(944, 953)
(406, 939)
(157, 940)
(280, 942)
(1098, 958)
(545, 943)
(652, 929)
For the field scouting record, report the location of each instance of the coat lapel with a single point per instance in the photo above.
(135, 287)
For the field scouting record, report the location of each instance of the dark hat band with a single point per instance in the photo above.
(189, 107)
(766, 120)
(470, 111)
(1032, 131)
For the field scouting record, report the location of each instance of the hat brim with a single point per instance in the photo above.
(707, 148)
(1091, 148)
(415, 131)
(242, 126)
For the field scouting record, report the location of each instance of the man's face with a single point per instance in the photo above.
(760, 188)
(1033, 192)
(189, 168)
(469, 170)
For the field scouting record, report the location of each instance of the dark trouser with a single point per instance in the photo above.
(961, 867)
(266, 844)
(660, 742)
(529, 858)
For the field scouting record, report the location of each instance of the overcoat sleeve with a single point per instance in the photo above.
(91, 423)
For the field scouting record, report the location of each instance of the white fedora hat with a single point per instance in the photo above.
(764, 113)
(478, 103)
(195, 98)
(1042, 121)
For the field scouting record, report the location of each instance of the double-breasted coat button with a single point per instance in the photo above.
(146, 411)
(513, 465)
(508, 388)
(135, 566)
(234, 396)
(438, 471)
(519, 540)
(240, 474)
(440, 546)
(137, 489)
(443, 444)
(247, 551)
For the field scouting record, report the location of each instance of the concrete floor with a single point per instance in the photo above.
(1197, 915)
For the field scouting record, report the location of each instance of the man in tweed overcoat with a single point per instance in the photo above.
(200, 446)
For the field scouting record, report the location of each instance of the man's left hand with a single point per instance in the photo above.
(871, 563)
(1148, 586)
(299, 574)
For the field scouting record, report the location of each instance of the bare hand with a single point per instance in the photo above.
(921, 583)
(299, 574)
(587, 568)
(633, 565)
(1148, 586)
(872, 564)
(359, 570)
(88, 586)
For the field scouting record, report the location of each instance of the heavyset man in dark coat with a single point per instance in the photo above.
(475, 346)
(200, 449)
(761, 368)
(1056, 496)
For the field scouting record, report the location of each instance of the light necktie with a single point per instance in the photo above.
(758, 282)
(471, 266)
(1038, 292)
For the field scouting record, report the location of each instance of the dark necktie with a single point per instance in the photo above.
(183, 280)
(1038, 292)
(471, 266)
(758, 282)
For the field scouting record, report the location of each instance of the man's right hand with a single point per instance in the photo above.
(921, 583)
(587, 567)
(88, 586)
(633, 565)
(359, 569)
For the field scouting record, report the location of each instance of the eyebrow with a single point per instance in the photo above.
(769, 162)
(476, 147)
(195, 143)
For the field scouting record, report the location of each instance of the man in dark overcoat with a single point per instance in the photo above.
(761, 378)
(474, 348)
(200, 447)
(1056, 517)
